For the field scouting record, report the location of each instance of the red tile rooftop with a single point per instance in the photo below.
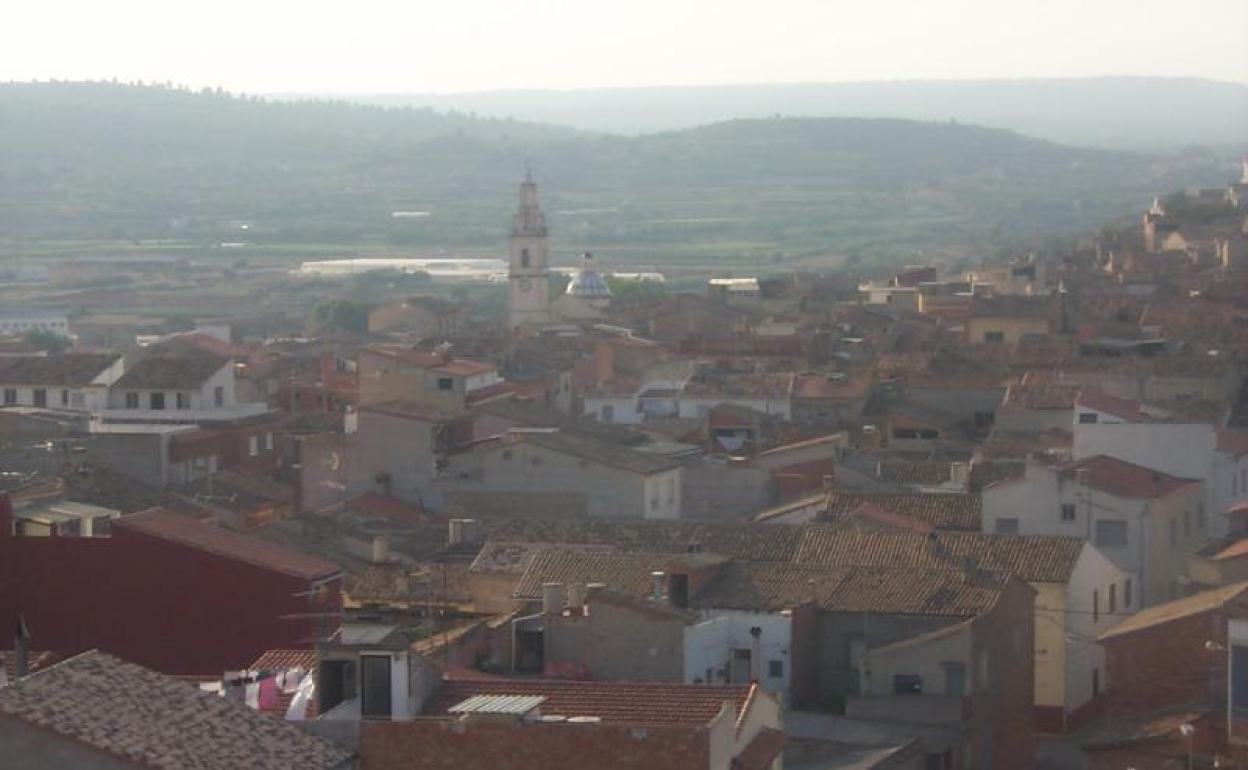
(1123, 479)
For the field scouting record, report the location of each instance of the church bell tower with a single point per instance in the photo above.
(528, 272)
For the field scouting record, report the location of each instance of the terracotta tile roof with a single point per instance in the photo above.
(174, 369)
(732, 539)
(1033, 558)
(1123, 479)
(226, 543)
(157, 721)
(627, 573)
(463, 367)
(1180, 608)
(614, 702)
(374, 505)
(871, 516)
(1100, 401)
(770, 587)
(761, 751)
(70, 370)
(281, 660)
(954, 511)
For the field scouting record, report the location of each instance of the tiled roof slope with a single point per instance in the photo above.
(770, 587)
(627, 573)
(71, 370)
(1034, 558)
(174, 369)
(1180, 608)
(1123, 479)
(157, 721)
(734, 540)
(628, 702)
(225, 543)
(953, 511)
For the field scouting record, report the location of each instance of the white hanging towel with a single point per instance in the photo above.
(298, 710)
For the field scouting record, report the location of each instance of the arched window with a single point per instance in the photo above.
(524, 258)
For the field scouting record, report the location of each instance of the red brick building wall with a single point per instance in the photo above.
(158, 603)
(1166, 664)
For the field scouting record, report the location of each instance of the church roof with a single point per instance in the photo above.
(588, 282)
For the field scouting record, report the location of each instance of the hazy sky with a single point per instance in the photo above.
(464, 45)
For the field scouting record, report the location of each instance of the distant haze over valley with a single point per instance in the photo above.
(1137, 113)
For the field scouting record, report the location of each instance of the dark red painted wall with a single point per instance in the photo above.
(157, 603)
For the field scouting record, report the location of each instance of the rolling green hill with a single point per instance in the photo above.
(104, 161)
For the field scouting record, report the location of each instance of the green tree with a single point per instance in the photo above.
(338, 315)
(631, 293)
(46, 340)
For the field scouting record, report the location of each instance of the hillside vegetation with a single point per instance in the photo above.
(104, 161)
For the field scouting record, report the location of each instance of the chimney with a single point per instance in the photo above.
(552, 598)
(21, 648)
(576, 598)
(756, 652)
(380, 552)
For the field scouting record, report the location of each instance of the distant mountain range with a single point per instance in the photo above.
(107, 161)
(1123, 113)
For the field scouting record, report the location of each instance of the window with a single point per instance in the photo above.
(524, 258)
(1126, 592)
(446, 383)
(535, 461)
(41, 397)
(955, 679)
(1096, 606)
(984, 419)
(1087, 418)
(253, 445)
(907, 684)
(218, 395)
(994, 337)
(608, 413)
(1007, 526)
(1113, 598)
(132, 400)
(1068, 511)
(268, 442)
(375, 698)
(1096, 682)
(670, 487)
(1239, 679)
(184, 400)
(506, 454)
(1111, 533)
(64, 398)
(157, 400)
(10, 396)
(775, 669)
